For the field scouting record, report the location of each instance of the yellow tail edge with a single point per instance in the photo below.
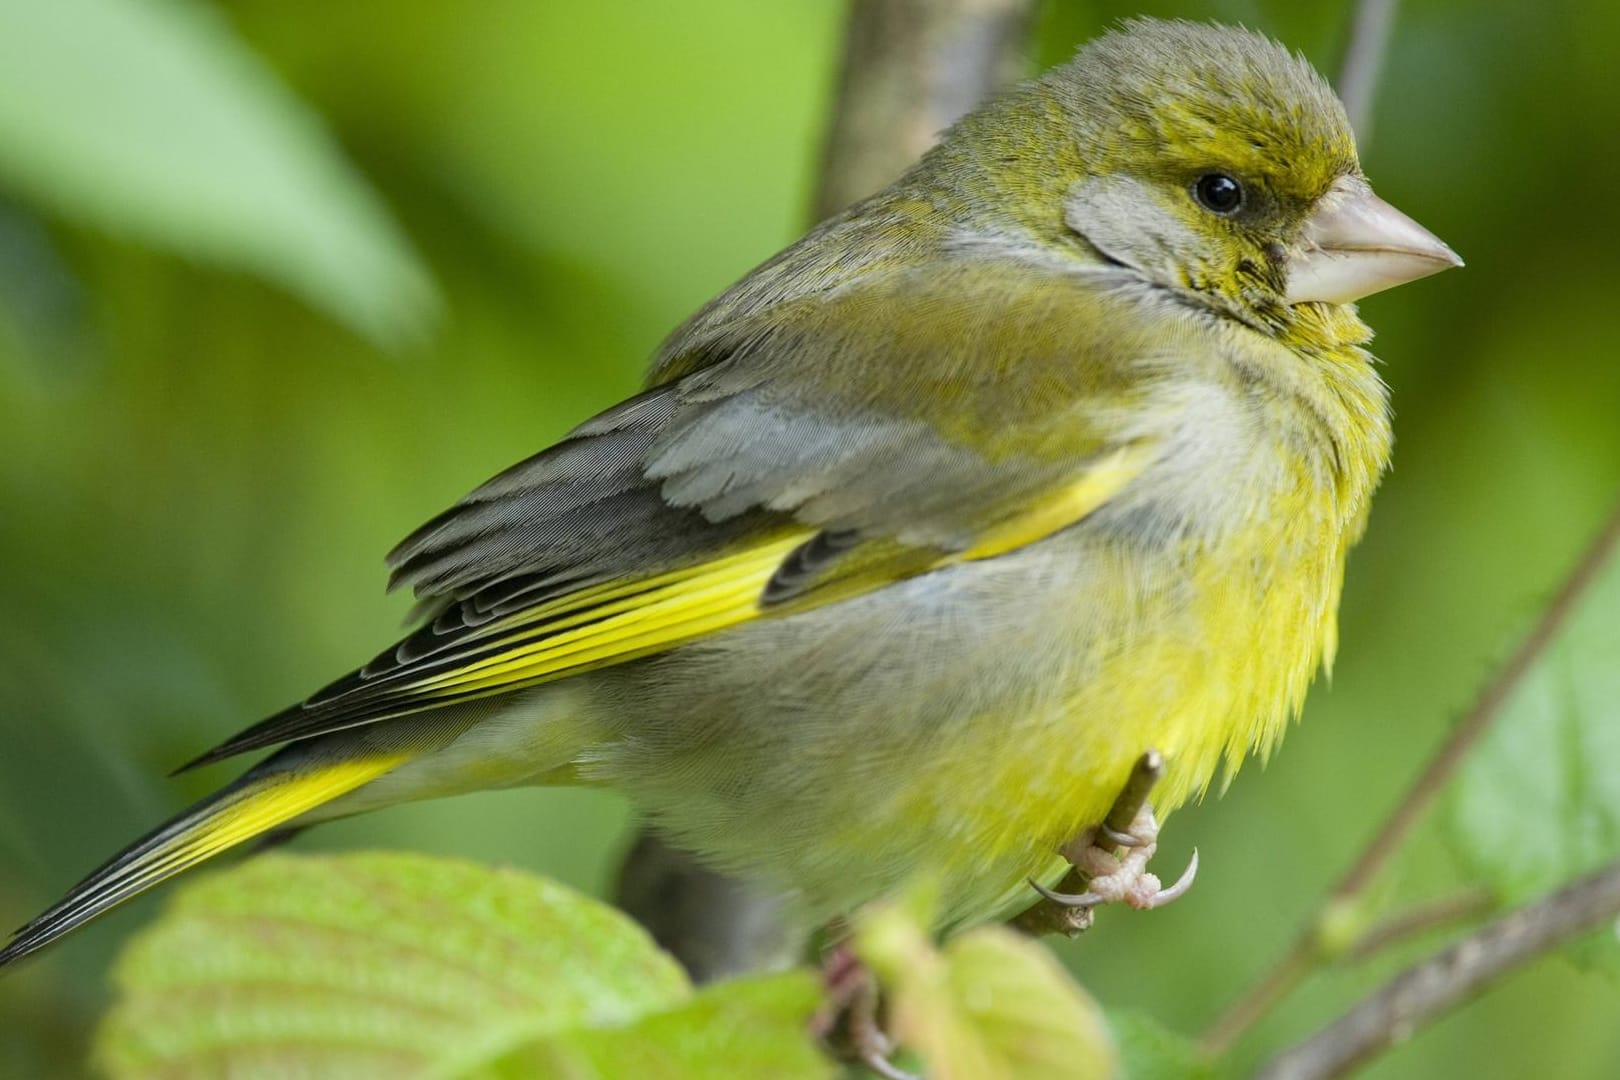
(255, 804)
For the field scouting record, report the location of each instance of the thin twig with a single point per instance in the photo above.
(1421, 919)
(1438, 984)
(1047, 917)
(1429, 783)
(1307, 954)
(1362, 62)
(911, 68)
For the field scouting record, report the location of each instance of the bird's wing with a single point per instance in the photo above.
(829, 447)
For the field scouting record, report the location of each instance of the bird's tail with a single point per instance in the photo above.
(286, 786)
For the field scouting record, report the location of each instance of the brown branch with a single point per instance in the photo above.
(1440, 983)
(1362, 62)
(1307, 954)
(1048, 917)
(715, 925)
(1300, 961)
(911, 67)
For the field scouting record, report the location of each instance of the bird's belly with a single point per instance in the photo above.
(966, 722)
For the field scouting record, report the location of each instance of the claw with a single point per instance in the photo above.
(1120, 839)
(1111, 875)
(1179, 889)
(886, 1068)
(1085, 899)
(847, 1022)
(871, 1044)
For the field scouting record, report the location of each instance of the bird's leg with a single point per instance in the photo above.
(848, 1024)
(1112, 877)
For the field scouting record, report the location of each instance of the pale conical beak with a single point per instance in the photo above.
(1356, 244)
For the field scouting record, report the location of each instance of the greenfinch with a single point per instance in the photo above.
(925, 530)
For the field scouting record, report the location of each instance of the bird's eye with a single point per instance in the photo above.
(1219, 194)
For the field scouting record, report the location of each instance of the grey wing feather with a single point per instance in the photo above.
(743, 447)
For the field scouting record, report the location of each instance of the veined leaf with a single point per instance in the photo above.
(743, 1027)
(372, 965)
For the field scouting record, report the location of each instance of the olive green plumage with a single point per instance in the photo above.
(922, 532)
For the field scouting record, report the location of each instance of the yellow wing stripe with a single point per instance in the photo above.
(636, 589)
(698, 601)
(1101, 482)
(588, 598)
(628, 604)
(619, 621)
(739, 605)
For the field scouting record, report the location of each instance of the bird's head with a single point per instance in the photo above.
(1208, 159)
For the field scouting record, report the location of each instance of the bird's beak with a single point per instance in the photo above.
(1355, 244)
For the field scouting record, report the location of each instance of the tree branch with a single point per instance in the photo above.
(911, 68)
(1425, 991)
(1362, 62)
(1307, 954)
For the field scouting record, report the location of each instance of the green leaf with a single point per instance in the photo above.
(991, 1005)
(374, 965)
(1538, 802)
(744, 1027)
(153, 120)
(1152, 1051)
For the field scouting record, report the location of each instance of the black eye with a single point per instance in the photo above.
(1218, 193)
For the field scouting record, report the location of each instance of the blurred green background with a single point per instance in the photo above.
(400, 245)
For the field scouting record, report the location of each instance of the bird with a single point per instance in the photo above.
(922, 533)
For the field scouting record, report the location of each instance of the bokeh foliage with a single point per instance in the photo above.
(203, 451)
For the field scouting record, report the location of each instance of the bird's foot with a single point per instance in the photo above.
(1113, 877)
(849, 1025)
